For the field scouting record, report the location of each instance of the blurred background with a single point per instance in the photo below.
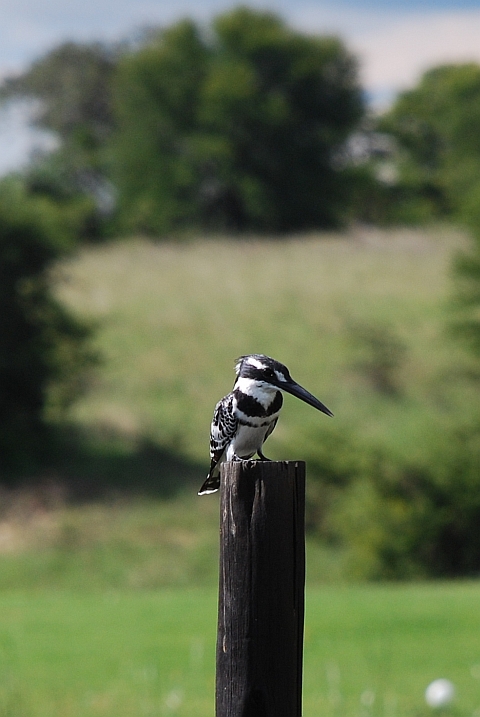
(184, 183)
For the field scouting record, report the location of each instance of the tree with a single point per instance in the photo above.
(40, 343)
(436, 126)
(237, 128)
(72, 88)
(156, 99)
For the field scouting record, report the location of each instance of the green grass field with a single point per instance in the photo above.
(369, 651)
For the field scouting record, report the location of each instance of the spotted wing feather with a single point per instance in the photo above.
(223, 430)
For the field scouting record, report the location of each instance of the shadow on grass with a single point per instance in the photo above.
(89, 466)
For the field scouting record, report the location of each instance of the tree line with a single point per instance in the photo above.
(245, 125)
(235, 127)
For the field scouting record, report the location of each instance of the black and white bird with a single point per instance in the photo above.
(244, 418)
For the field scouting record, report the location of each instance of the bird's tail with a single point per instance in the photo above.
(211, 485)
(212, 482)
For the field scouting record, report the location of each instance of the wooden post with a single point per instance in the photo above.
(262, 586)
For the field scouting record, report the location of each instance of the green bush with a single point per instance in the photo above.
(466, 301)
(466, 271)
(397, 518)
(40, 343)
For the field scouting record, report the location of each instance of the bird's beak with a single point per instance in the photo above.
(296, 390)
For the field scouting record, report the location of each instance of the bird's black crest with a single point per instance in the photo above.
(257, 366)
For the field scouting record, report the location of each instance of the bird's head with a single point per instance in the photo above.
(265, 372)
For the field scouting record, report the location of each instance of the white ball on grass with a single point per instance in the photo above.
(439, 693)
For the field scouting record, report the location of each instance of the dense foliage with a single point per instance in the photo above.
(436, 127)
(467, 296)
(40, 342)
(235, 130)
(399, 517)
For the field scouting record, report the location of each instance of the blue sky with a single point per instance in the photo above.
(394, 41)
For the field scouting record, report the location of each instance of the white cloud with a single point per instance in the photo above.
(344, 20)
(394, 56)
(394, 45)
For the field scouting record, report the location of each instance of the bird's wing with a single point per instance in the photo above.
(223, 428)
(270, 429)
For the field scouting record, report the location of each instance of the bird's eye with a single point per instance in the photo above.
(268, 372)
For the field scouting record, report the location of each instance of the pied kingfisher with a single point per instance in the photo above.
(244, 418)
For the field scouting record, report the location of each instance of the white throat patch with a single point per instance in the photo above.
(262, 392)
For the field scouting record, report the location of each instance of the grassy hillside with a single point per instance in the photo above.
(173, 317)
(359, 318)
